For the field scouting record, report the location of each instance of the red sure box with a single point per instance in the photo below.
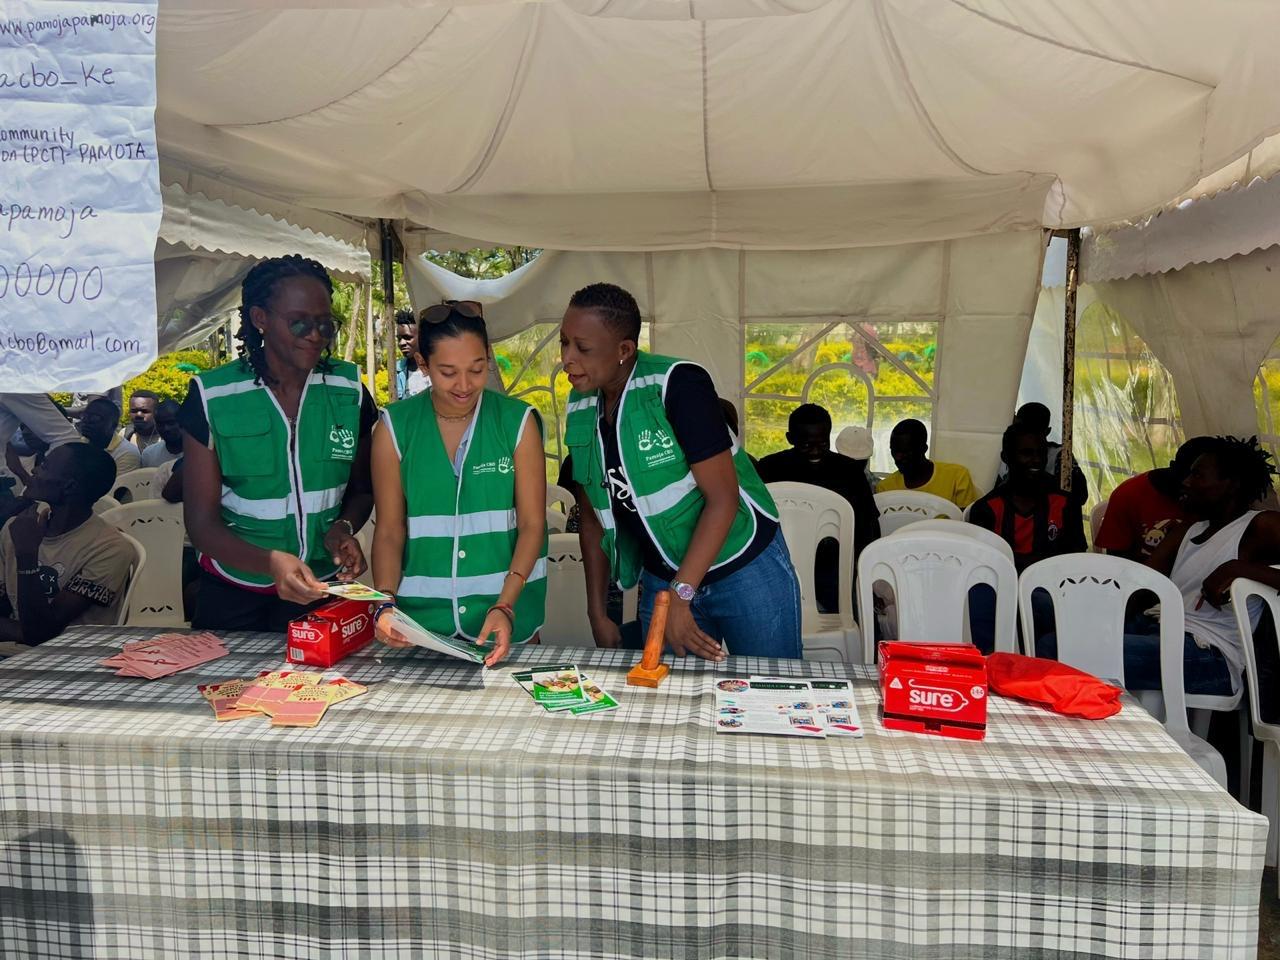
(934, 688)
(329, 633)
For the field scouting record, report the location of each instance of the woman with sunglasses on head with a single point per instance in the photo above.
(667, 496)
(276, 457)
(460, 485)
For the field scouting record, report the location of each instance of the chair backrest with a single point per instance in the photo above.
(1090, 592)
(808, 515)
(930, 574)
(156, 526)
(981, 534)
(559, 496)
(135, 485)
(901, 507)
(1095, 519)
(566, 623)
(135, 571)
(1242, 591)
(103, 504)
(556, 521)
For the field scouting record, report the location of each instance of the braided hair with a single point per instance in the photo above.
(617, 308)
(257, 289)
(1245, 461)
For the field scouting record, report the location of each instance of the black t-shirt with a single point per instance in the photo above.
(193, 420)
(693, 408)
(834, 472)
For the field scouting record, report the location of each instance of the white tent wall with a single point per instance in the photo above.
(980, 291)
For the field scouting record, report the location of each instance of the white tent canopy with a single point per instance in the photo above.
(664, 124)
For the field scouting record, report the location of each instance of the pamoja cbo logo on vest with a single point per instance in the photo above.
(656, 446)
(501, 465)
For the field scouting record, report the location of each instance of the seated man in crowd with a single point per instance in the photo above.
(909, 446)
(811, 460)
(1036, 415)
(1028, 510)
(1142, 508)
(69, 567)
(1032, 515)
(170, 434)
(98, 426)
(142, 430)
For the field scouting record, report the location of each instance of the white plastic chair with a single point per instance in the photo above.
(135, 485)
(1242, 591)
(157, 526)
(103, 504)
(808, 515)
(1090, 592)
(556, 521)
(566, 623)
(981, 534)
(559, 496)
(901, 507)
(1095, 520)
(135, 572)
(930, 574)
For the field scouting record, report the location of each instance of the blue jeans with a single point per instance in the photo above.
(982, 616)
(1204, 670)
(755, 611)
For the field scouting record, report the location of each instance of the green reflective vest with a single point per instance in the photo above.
(462, 529)
(662, 485)
(282, 483)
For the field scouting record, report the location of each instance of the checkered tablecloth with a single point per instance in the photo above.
(444, 814)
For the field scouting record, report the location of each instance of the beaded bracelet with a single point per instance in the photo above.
(382, 608)
(505, 610)
(517, 573)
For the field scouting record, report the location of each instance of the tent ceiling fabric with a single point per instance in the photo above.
(665, 124)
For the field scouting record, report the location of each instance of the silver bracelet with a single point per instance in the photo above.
(350, 527)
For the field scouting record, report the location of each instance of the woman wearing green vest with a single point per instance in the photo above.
(276, 457)
(460, 486)
(667, 496)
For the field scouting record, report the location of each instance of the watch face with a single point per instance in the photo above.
(683, 590)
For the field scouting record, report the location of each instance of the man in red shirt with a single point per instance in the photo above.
(1142, 508)
(1028, 510)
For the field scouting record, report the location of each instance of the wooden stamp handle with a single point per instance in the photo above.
(657, 631)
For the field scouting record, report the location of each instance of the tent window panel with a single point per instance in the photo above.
(528, 364)
(1266, 399)
(851, 369)
(1126, 409)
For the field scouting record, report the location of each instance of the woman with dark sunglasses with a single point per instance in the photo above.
(460, 482)
(276, 457)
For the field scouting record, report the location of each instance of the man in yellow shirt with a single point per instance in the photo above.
(908, 445)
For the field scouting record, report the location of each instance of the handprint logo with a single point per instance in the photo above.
(663, 439)
(504, 465)
(342, 437)
(645, 441)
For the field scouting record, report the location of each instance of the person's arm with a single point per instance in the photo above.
(13, 461)
(1073, 529)
(172, 492)
(40, 415)
(595, 567)
(531, 530)
(982, 515)
(1259, 549)
(38, 619)
(1162, 556)
(717, 481)
(965, 493)
(392, 528)
(1118, 534)
(357, 501)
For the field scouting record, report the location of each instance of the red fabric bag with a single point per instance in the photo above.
(1061, 688)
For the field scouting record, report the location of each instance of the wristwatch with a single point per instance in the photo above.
(684, 591)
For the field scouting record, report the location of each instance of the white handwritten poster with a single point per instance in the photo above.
(79, 193)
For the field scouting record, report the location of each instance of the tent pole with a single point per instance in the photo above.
(1065, 462)
(370, 338)
(389, 305)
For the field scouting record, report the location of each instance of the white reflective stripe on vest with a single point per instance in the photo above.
(652, 380)
(450, 588)
(468, 524)
(228, 389)
(666, 498)
(584, 404)
(313, 501)
(318, 501)
(334, 381)
(276, 509)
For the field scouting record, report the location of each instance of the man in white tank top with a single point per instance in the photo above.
(1203, 557)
